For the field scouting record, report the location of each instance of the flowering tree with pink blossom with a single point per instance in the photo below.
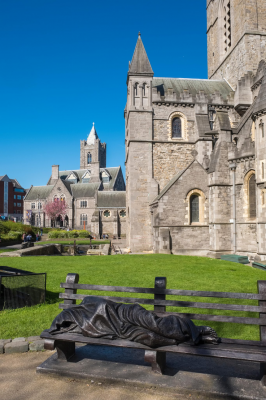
(54, 209)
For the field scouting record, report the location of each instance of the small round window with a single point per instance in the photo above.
(122, 214)
(106, 213)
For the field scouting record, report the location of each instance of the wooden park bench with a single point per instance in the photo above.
(247, 350)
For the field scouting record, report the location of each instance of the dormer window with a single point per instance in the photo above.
(72, 178)
(86, 177)
(105, 177)
(89, 158)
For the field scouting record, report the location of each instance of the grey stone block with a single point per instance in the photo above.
(37, 345)
(16, 347)
(33, 338)
(5, 341)
(19, 339)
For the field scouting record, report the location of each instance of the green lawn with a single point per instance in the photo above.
(182, 272)
(6, 250)
(71, 241)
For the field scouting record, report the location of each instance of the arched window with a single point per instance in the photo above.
(62, 198)
(89, 158)
(144, 89)
(176, 128)
(252, 196)
(136, 89)
(56, 198)
(194, 208)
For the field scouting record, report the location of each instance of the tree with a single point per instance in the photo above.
(54, 209)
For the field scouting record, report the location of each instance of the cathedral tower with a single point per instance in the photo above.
(141, 187)
(93, 154)
(236, 34)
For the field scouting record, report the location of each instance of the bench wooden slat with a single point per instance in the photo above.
(218, 318)
(202, 317)
(232, 351)
(173, 303)
(230, 295)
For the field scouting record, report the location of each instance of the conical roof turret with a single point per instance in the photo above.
(140, 64)
(92, 135)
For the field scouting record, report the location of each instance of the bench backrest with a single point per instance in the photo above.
(160, 303)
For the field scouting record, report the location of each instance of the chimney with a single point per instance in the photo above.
(55, 172)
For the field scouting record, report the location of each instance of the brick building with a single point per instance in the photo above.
(196, 148)
(11, 198)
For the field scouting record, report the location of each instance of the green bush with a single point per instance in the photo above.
(63, 234)
(14, 235)
(3, 228)
(53, 234)
(73, 234)
(84, 234)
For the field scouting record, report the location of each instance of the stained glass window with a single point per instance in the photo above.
(252, 196)
(176, 128)
(194, 208)
(122, 213)
(89, 158)
(106, 213)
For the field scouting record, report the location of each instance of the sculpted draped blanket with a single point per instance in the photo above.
(99, 318)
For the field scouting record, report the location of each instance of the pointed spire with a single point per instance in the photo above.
(92, 135)
(140, 64)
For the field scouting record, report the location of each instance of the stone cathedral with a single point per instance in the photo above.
(196, 148)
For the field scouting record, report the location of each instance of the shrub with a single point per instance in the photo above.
(84, 234)
(14, 235)
(62, 234)
(73, 234)
(53, 234)
(3, 228)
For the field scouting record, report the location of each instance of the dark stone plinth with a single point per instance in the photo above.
(216, 378)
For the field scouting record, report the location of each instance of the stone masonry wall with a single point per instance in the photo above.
(169, 160)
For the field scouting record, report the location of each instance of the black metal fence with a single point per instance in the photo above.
(20, 288)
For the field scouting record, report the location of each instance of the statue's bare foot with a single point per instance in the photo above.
(210, 339)
(207, 331)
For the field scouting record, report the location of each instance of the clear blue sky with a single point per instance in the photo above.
(64, 65)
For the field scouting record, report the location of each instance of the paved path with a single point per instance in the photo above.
(19, 381)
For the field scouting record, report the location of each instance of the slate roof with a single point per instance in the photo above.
(85, 190)
(203, 123)
(140, 64)
(42, 191)
(194, 86)
(111, 199)
(80, 172)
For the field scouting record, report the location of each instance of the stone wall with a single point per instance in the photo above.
(247, 16)
(169, 159)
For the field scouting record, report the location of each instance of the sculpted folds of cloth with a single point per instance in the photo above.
(96, 317)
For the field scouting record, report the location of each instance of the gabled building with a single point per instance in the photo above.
(196, 148)
(95, 195)
(11, 198)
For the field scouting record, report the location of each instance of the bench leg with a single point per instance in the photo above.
(263, 373)
(65, 350)
(156, 359)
